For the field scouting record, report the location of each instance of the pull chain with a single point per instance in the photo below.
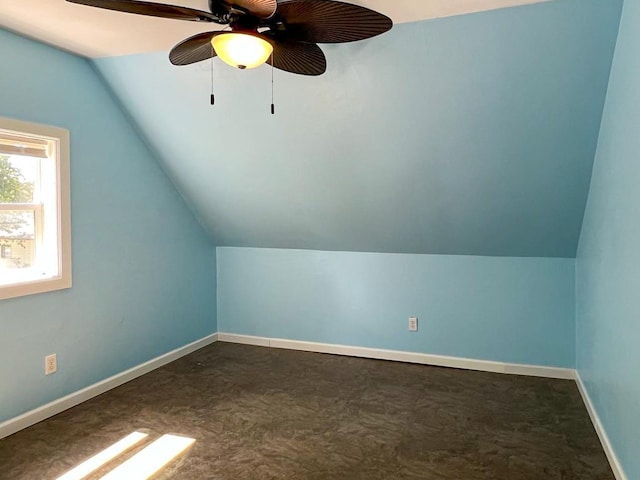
(213, 97)
(273, 106)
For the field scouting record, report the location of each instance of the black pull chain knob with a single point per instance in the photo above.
(273, 106)
(213, 97)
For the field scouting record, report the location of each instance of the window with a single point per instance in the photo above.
(35, 233)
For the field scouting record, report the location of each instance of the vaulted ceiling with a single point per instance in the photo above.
(470, 134)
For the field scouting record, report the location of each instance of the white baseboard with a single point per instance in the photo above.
(401, 356)
(244, 339)
(616, 466)
(32, 417)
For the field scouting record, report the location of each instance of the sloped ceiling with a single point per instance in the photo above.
(465, 135)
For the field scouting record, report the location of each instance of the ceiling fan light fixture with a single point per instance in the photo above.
(242, 50)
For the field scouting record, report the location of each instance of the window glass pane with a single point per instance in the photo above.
(17, 239)
(18, 177)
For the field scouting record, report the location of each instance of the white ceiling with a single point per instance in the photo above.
(93, 32)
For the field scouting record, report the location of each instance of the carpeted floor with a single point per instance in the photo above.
(259, 413)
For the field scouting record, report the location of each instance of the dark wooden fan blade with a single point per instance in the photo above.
(298, 57)
(329, 21)
(258, 8)
(193, 49)
(151, 9)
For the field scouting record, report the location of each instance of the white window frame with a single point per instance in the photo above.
(60, 136)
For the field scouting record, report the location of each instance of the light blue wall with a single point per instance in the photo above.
(465, 135)
(143, 270)
(608, 263)
(506, 309)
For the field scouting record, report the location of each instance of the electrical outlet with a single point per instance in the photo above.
(50, 364)
(413, 324)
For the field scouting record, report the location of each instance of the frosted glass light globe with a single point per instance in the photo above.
(242, 50)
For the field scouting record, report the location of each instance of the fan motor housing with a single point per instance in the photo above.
(219, 10)
(214, 7)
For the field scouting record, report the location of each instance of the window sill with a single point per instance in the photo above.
(35, 286)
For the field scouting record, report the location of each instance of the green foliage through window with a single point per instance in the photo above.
(13, 186)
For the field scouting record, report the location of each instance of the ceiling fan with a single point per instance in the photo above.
(284, 32)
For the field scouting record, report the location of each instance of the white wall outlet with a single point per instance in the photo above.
(413, 324)
(50, 364)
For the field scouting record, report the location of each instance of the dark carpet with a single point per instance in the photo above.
(259, 413)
